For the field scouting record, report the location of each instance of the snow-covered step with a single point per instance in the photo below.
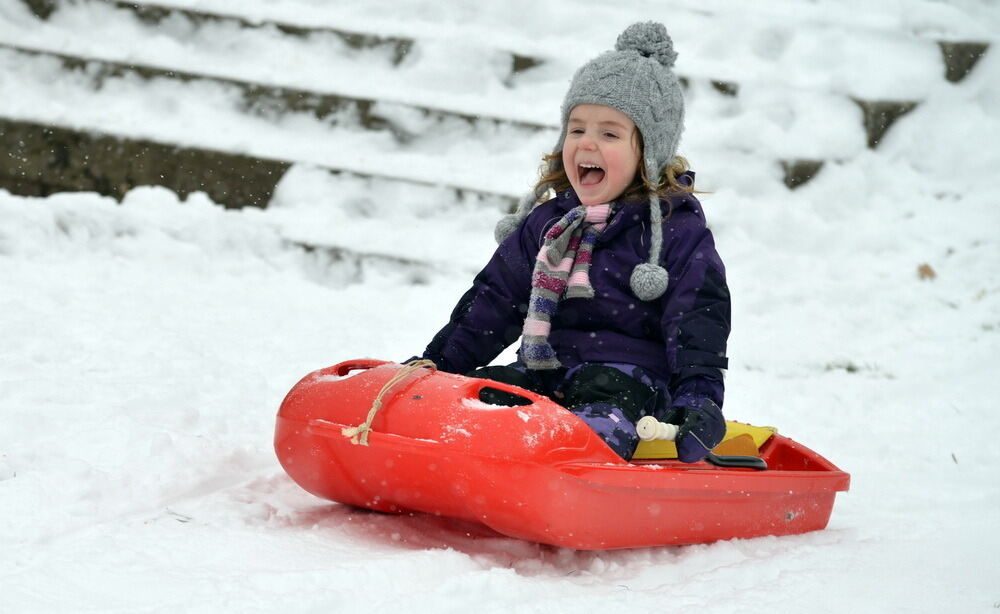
(451, 75)
(187, 112)
(795, 32)
(211, 115)
(805, 38)
(275, 100)
(461, 76)
(415, 145)
(273, 64)
(382, 221)
(348, 220)
(165, 16)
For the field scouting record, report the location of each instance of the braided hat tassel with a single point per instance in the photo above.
(649, 280)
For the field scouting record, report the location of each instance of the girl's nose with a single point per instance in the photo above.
(588, 142)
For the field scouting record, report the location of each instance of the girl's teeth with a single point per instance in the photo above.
(590, 174)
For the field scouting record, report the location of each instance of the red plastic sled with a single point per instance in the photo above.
(533, 471)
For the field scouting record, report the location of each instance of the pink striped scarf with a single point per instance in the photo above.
(562, 268)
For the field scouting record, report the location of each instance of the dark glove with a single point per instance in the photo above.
(700, 426)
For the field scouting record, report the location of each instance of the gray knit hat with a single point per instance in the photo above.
(636, 79)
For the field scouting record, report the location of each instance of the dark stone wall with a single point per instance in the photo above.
(38, 160)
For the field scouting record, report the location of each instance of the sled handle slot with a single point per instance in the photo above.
(343, 368)
(500, 393)
(750, 462)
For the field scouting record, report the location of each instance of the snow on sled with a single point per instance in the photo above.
(533, 471)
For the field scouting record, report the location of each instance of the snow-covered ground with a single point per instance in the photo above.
(147, 345)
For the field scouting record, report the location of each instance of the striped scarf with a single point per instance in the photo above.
(562, 267)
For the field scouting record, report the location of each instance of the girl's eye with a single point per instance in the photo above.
(576, 131)
(610, 135)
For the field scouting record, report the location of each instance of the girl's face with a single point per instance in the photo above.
(601, 153)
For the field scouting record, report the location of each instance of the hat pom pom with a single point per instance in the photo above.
(506, 226)
(651, 40)
(649, 281)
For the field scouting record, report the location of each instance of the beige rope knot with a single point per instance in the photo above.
(359, 433)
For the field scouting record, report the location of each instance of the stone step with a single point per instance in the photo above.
(960, 57)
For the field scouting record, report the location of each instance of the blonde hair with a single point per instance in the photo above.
(641, 186)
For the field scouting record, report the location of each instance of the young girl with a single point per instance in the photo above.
(614, 286)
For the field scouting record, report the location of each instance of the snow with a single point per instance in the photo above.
(477, 404)
(147, 345)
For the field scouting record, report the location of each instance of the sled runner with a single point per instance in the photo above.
(534, 471)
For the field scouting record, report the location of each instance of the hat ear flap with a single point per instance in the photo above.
(506, 226)
(509, 223)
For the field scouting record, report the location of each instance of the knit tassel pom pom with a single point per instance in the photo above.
(651, 40)
(649, 281)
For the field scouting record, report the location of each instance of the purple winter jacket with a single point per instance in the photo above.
(680, 337)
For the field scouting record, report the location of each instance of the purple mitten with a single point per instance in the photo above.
(701, 426)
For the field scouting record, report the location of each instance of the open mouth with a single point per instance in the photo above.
(589, 174)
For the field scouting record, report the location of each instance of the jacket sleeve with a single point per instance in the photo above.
(489, 316)
(696, 315)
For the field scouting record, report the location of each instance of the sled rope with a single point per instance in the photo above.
(359, 433)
